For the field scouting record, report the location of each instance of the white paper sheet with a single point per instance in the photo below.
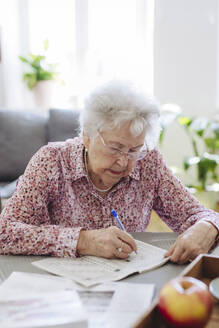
(106, 306)
(91, 270)
(24, 284)
(27, 300)
(128, 305)
(40, 310)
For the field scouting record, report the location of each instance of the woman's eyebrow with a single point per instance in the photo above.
(139, 146)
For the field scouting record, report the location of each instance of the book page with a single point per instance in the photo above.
(92, 270)
(128, 305)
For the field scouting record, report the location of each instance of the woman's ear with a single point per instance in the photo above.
(86, 140)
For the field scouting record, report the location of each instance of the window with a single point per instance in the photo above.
(118, 44)
(91, 40)
(55, 20)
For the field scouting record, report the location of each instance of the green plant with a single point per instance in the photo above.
(204, 137)
(40, 70)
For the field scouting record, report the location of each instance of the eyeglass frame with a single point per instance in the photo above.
(137, 155)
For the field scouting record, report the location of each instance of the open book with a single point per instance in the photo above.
(92, 270)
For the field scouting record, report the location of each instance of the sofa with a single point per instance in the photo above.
(22, 133)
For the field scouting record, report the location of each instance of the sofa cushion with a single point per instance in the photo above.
(21, 135)
(63, 124)
(7, 189)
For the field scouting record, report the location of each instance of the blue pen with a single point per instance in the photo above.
(115, 215)
(117, 220)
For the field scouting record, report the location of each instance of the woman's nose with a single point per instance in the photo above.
(123, 160)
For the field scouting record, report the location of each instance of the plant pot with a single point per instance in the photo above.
(43, 94)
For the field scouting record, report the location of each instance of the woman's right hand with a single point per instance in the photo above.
(109, 243)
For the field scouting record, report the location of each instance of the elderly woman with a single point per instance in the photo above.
(62, 204)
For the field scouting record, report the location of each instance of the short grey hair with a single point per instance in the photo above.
(116, 103)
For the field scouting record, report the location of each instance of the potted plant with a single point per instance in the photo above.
(204, 136)
(40, 75)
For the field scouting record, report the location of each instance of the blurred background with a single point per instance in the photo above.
(169, 48)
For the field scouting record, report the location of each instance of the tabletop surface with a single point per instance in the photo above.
(10, 263)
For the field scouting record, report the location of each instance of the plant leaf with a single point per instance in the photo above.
(212, 143)
(211, 157)
(40, 69)
(189, 161)
(184, 120)
(30, 79)
(161, 136)
(215, 129)
(23, 59)
(204, 166)
(36, 60)
(199, 125)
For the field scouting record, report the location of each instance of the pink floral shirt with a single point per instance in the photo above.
(54, 200)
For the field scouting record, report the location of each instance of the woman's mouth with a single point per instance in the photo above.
(115, 172)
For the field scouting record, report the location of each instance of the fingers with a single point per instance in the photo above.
(123, 242)
(179, 255)
(127, 239)
(120, 245)
(183, 250)
(178, 252)
(170, 251)
(120, 253)
(109, 243)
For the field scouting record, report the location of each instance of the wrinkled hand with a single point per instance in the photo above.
(195, 240)
(106, 243)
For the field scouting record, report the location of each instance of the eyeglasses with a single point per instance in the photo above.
(131, 154)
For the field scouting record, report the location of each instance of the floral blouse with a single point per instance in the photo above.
(54, 200)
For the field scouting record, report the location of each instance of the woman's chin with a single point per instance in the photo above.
(111, 181)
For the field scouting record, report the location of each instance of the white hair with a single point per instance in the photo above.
(116, 103)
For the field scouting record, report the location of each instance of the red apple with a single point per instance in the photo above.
(185, 302)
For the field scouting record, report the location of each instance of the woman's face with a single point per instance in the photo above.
(105, 169)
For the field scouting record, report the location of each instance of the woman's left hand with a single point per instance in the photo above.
(197, 239)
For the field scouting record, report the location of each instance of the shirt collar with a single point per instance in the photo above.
(135, 173)
(77, 158)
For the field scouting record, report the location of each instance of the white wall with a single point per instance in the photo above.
(10, 73)
(1, 70)
(2, 97)
(185, 64)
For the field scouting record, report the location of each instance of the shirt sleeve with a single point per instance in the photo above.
(25, 223)
(175, 204)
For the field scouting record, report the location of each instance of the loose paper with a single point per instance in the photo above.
(41, 310)
(92, 270)
(36, 300)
